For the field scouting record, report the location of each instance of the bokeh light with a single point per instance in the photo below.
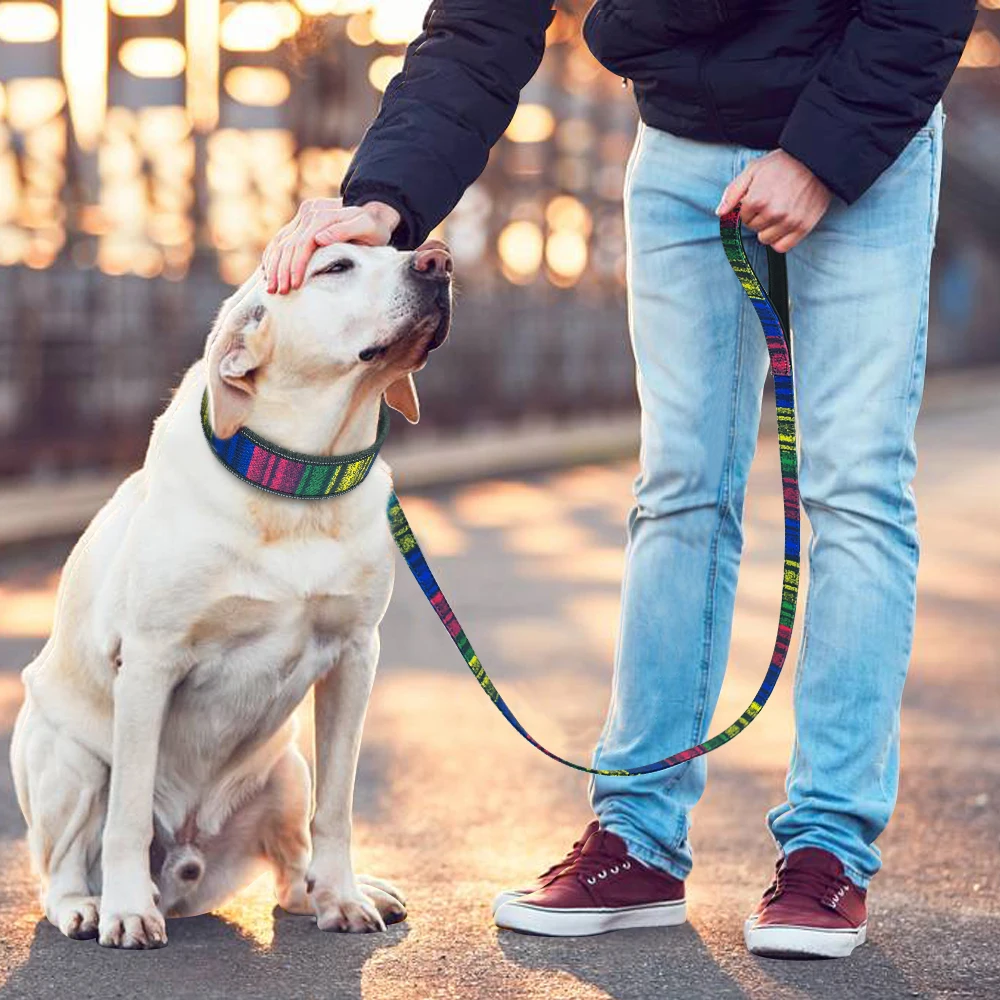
(32, 101)
(153, 57)
(143, 8)
(84, 54)
(566, 255)
(547, 206)
(258, 25)
(359, 31)
(27, 22)
(382, 70)
(520, 246)
(260, 86)
(531, 123)
(397, 22)
(567, 212)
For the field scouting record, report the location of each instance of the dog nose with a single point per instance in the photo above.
(432, 260)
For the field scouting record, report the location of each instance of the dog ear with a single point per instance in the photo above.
(402, 396)
(234, 355)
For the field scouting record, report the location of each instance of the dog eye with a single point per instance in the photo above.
(337, 266)
(370, 353)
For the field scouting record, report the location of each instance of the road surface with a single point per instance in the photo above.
(452, 805)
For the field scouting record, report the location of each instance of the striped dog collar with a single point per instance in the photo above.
(269, 467)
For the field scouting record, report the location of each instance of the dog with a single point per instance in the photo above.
(154, 756)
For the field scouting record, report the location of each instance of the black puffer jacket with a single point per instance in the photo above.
(841, 85)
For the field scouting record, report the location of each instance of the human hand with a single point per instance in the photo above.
(318, 223)
(783, 200)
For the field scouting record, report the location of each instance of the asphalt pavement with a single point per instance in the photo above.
(452, 805)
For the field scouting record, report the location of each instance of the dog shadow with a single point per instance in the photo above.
(208, 957)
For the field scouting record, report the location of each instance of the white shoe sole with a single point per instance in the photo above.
(801, 942)
(507, 896)
(531, 919)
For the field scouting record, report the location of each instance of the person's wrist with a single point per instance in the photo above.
(384, 214)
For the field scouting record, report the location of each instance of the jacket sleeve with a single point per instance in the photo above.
(441, 115)
(876, 90)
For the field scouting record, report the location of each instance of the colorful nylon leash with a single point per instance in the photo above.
(781, 371)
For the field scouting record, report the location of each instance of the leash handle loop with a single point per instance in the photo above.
(781, 371)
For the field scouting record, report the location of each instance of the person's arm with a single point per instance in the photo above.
(874, 93)
(440, 116)
(855, 116)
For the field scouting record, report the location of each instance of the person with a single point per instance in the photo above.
(823, 119)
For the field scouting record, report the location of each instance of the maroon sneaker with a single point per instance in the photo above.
(603, 889)
(768, 892)
(811, 910)
(550, 873)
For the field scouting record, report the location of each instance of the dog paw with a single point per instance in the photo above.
(353, 914)
(123, 927)
(294, 898)
(391, 903)
(76, 916)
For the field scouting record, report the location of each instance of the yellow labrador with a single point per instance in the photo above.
(154, 756)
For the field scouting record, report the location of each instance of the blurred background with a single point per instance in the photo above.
(149, 148)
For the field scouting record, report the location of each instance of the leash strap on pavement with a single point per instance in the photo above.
(767, 309)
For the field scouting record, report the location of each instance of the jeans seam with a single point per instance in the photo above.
(630, 170)
(913, 549)
(924, 302)
(724, 501)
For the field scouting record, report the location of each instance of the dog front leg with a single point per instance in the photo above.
(341, 901)
(129, 915)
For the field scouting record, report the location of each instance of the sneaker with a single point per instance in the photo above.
(542, 880)
(603, 889)
(811, 910)
(768, 893)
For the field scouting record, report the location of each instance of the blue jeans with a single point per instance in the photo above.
(859, 285)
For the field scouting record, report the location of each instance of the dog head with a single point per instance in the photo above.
(364, 319)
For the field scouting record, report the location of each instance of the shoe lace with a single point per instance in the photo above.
(570, 855)
(821, 886)
(593, 868)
